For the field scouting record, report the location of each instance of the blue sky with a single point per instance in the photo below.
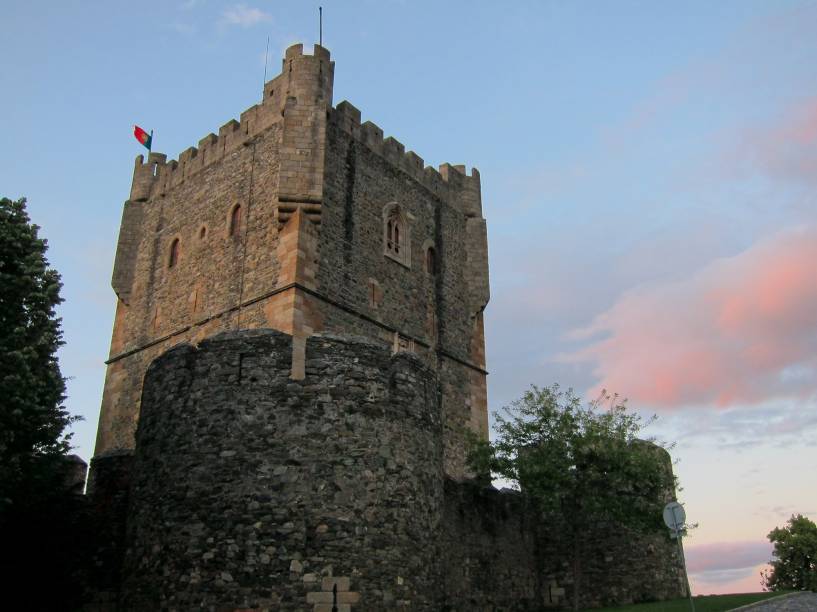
(649, 178)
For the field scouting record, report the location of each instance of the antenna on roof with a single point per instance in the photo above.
(320, 26)
(266, 57)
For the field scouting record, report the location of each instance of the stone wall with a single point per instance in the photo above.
(499, 554)
(250, 488)
(439, 310)
(106, 514)
(489, 550)
(215, 271)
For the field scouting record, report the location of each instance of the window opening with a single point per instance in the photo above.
(393, 233)
(396, 234)
(431, 261)
(235, 221)
(375, 294)
(174, 253)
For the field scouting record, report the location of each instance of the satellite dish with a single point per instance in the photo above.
(675, 517)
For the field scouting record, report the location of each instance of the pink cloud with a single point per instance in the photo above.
(725, 556)
(741, 330)
(727, 567)
(744, 580)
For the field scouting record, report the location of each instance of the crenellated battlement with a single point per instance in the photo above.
(158, 174)
(305, 80)
(450, 182)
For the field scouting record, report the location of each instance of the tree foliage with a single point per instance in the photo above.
(32, 390)
(794, 566)
(581, 465)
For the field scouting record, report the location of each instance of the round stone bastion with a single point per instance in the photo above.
(251, 490)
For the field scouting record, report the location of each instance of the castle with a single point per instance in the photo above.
(297, 357)
(298, 218)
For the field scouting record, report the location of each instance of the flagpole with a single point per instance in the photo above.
(151, 143)
(320, 26)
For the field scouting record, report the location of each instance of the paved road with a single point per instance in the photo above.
(798, 602)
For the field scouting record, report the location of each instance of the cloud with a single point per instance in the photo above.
(785, 151)
(744, 428)
(244, 16)
(723, 582)
(726, 556)
(742, 330)
(726, 567)
(783, 511)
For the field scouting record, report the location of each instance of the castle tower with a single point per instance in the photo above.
(301, 219)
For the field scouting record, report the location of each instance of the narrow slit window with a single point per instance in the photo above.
(173, 259)
(431, 262)
(235, 221)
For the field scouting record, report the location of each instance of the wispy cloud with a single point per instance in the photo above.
(727, 567)
(785, 150)
(725, 556)
(243, 16)
(783, 512)
(723, 582)
(744, 428)
(740, 331)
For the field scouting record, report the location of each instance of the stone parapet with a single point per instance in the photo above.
(450, 183)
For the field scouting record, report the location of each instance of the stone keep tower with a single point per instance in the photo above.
(301, 219)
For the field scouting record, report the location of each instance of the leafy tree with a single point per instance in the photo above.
(32, 417)
(794, 566)
(581, 465)
(41, 521)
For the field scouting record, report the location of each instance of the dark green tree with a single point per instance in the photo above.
(581, 465)
(794, 566)
(32, 390)
(41, 522)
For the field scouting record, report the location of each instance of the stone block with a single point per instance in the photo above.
(330, 581)
(324, 607)
(319, 597)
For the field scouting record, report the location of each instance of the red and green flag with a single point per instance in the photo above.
(142, 136)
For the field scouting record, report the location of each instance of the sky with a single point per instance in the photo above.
(649, 175)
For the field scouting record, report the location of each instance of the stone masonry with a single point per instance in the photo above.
(278, 222)
(253, 491)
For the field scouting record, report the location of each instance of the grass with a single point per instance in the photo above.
(703, 603)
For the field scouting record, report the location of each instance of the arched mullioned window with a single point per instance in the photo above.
(173, 258)
(235, 220)
(393, 234)
(396, 234)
